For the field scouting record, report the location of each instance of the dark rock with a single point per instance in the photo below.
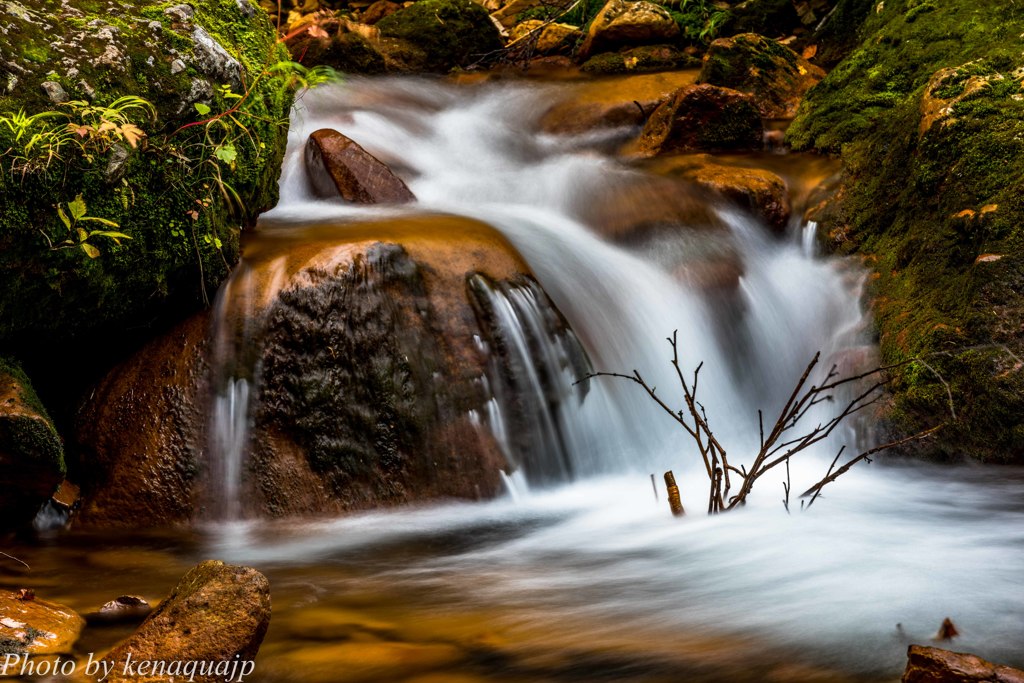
(36, 626)
(932, 665)
(702, 117)
(628, 22)
(378, 10)
(345, 51)
(216, 613)
(126, 608)
(140, 434)
(31, 453)
(450, 33)
(773, 74)
(337, 165)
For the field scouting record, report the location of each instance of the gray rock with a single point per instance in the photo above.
(214, 61)
(55, 92)
(118, 163)
(247, 8)
(177, 66)
(199, 91)
(182, 13)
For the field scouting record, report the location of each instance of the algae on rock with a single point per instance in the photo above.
(928, 116)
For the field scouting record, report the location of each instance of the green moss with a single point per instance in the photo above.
(643, 59)
(172, 262)
(906, 189)
(451, 32)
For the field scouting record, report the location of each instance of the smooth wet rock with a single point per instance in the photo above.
(636, 206)
(773, 74)
(31, 452)
(628, 22)
(339, 166)
(216, 613)
(125, 608)
(933, 665)
(140, 433)
(450, 33)
(29, 624)
(759, 191)
(702, 118)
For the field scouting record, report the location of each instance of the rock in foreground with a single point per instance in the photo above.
(932, 665)
(33, 626)
(217, 613)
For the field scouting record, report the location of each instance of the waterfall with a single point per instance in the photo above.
(475, 151)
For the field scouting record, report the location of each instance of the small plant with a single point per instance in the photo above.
(99, 127)
(700, 20)
(79, 236)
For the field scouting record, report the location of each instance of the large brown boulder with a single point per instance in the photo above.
(31, 453)
(373, 350)
(628, 22)
(140, 434)
(216, 614)
(339, 166)
(702, 118)
(932, 665)
(773, 74)
(29, 625)
(370, 368)
(610, 102)
(548, 39)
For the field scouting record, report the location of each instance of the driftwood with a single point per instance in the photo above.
(786, 437)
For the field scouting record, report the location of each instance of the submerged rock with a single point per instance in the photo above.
(773, 74)
(932, 665)
(338, 165)
(702, 117)
(217, 613)
(31, 452)
(34, 626)
(628, 22)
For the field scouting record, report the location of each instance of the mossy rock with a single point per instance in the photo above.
(644, 59)
(181, 205)
(928, 116)
(451, 33)
(31, 452)
(776, 76)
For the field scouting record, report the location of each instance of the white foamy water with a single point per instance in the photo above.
(888, 544)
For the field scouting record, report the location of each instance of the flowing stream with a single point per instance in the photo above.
(585, 576)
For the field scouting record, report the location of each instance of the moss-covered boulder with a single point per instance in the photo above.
(31, 453)
(773, 74)
(178, 189)
(218, 614)
(702, 118)
(449, 33)
(928, 116)
(330, 43)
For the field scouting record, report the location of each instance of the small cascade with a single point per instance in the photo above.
(536, 362)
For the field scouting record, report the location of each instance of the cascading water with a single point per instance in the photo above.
(598, 561)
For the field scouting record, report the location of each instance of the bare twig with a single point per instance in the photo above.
(12, 557)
